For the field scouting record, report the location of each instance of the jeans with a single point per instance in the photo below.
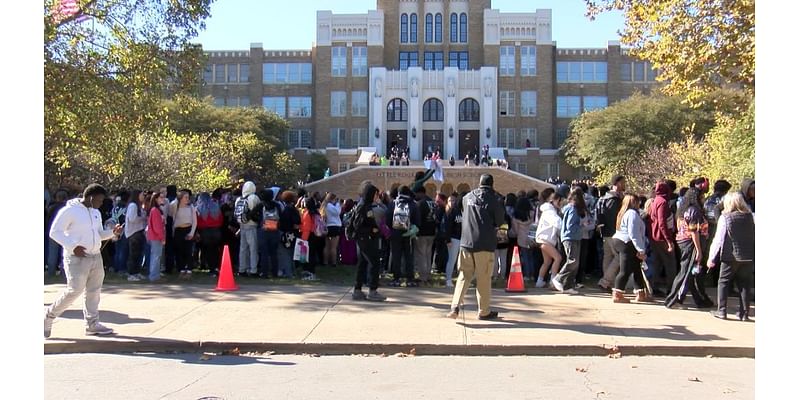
(121, 254)
(135, 249)
(611, 262)
(285, 261)
(268, 243)
(526, 258)
(248, 249)
(500, 256)
(566, 276)
(423, 255)
(452, 257)
(84, 274)
(742, 274)
(156, 248)
(53, 256)
(401, 249)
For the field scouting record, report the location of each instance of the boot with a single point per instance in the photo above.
(618, 296)
(642, 296)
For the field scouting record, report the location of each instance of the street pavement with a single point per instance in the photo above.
(195, 376)
(324, 319)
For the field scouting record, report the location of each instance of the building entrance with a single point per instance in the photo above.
(468, 141)
(397, 138)
(432, 140)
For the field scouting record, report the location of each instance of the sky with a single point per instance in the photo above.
(234, 24)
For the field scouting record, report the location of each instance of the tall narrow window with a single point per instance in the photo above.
(507, 60)
(463, 30)
(438, 30)
(453, 28)
(359, 102)
(428, 28)
(404, 28)
(469, 110)
(359, 61)
(527, 64)
(433, 110)
(338, 104)
(413, 29)
(528, 103)
(338, 61)
(397, 110)
(508, 103)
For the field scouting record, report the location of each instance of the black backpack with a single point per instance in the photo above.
(354, 222)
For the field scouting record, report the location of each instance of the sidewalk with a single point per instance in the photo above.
(325, 320)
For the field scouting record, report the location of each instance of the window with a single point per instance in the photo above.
(428, 28)
(434, 60)
(527, 65)
(219, 73)
(244, 73)
(625, 72)
(513, 139)
(581, 71)
(359, 61)
(459, 59)
(463, 30)
(637, 71)
(568, 106)
(219, 102)
(359, 137)
(339, 61)
(438, 28)
(356, 138)
(469, 110)
(413, 31)
(552, 170)
(208, 73)
(298, 138)
(651, 73)
(299, 107)
(282, 73)
(409, 59)
(594, 103)
(433, 110)
(397, 110)
(337, 137)
(233, 73)
(242, 101)
(275, 104)
(454, 28)
(338, 104)
(529, 134)
(508, 103)
(507, 67)
(404, 28)
(527, 105)
(343, 166)
(561, 137)
(506, 138)
(359, 100)
(522, 168)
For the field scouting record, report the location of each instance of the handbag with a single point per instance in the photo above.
(301, 250)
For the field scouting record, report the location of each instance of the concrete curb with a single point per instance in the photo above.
(167, 346)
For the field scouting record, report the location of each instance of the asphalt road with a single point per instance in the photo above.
(195, 376)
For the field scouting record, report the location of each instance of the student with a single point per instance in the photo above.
(209, 226)
(156, 235)
(185, 225)
(135, 222)
(365, 222)
(629, 244)
(571, 234)
(547, 235)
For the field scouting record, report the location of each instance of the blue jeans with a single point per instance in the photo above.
(526, 258)
(268, 243)
(155, 259)
(121, 254)
(53, 256)
(286, 261)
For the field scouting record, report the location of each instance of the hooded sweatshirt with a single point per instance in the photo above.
(76, 225)
(658, 229)
(248, 191)
(482, 213)
(369, 228)
(549, 227)
(746, 183)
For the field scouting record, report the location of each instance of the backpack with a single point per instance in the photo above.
(320, 228)
(401, 217)
(270, 218)
(241, 210)
(353, 221)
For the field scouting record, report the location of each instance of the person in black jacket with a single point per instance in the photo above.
(482, 214)
(453, 231)
(423, 246)
(403, 217)
(365, 221)
(606, 213)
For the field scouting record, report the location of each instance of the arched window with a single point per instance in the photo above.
(438, 30)
(397, 110)
(428, 28)
(463, 28)
(469, 110)
(453, 28)
(413, 31)
(433, 110)
(404, 28)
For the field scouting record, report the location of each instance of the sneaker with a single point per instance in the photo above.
(375, 296)
(188, 272)
(570, 291)
(48, 326)
(448, 285)
(579, 286)
(491, 315)
(453, 314)
(540, 283)
(133, 278)
(141, 277)
(98, 329)
(557, 285)
(359, 295)
(412, 283)
(312, 277)
(394, 283)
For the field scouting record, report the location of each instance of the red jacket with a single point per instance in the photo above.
(155, 226)
(658, 228)
(209, 221)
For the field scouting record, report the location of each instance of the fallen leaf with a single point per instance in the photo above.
(634, 366)
(581, 369)
(269, 353)
(614, 352)
(695, 379)
(400, 355)
(374, 372)
(413, 351)
(315, 355)
(205, 357)
(728, 391)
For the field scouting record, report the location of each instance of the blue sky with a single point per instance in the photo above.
(234, 24)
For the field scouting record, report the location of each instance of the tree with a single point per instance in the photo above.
(317, 164)
(696, 45)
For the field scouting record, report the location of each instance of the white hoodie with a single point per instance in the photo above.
(75, 225)
(549, 227)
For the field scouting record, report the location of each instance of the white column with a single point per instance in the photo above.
(377, 115)
(489, 105)
(415, 112)
(450, 112)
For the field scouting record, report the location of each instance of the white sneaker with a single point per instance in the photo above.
(133, 278)
(540, 283)
(558, 285)
(48, 326)
(571, 291)
(98, 329)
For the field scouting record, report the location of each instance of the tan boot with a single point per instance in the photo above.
(642, 297)
(618, 296)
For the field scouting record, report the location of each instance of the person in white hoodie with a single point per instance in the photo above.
(548, 233)
(248, 234)
(78, 228)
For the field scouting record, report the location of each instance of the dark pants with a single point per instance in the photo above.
(685, 280)
(572, 251)
(183, 248)
(586, 262)
(135, 249)
(629, 264)
(440, 254)
(268, 243)
(385, 254)
(121, 254)
(169, 249)
(210, 248)
(315, 247)
(663, 261)
(369, 266)
(742, 274)
(401, 249)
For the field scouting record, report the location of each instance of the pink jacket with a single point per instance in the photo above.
(155, 226)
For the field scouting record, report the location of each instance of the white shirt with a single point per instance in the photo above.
(135, 219)
(333, 214)
(76, 225)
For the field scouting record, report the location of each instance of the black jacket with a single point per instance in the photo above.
(482, 214)
(427, 216)
(607, 209)
(454, 224)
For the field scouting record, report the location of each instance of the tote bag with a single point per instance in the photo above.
(301, 250)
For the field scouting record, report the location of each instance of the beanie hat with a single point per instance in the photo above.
(487, 180)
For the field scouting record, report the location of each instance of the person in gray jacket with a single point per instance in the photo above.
(482, 214)
(248, 234)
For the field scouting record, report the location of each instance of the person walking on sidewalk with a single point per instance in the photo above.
(364, 224)
(78, 228)
(661, 239)
(483, 214)
(629, 243)
(733, 249)
(607, 209)
(571, 235)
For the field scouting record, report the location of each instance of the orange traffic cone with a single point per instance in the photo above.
(515, 282)
(226, 282)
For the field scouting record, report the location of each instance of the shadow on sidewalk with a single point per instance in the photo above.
(669, 332)
(112, 317)
(215, 360)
